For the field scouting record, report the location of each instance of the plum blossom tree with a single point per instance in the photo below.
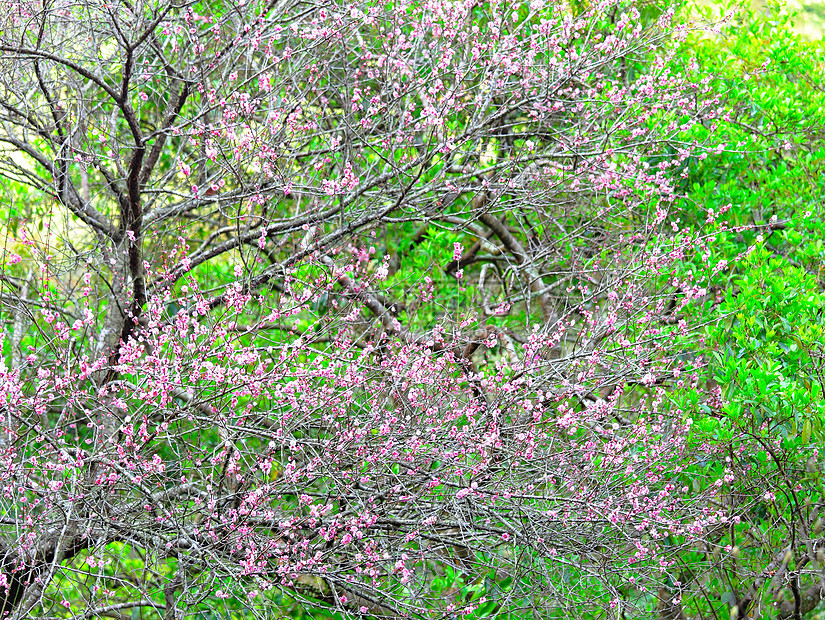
(366, 308)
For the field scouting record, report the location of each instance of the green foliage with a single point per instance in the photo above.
(760, 429)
